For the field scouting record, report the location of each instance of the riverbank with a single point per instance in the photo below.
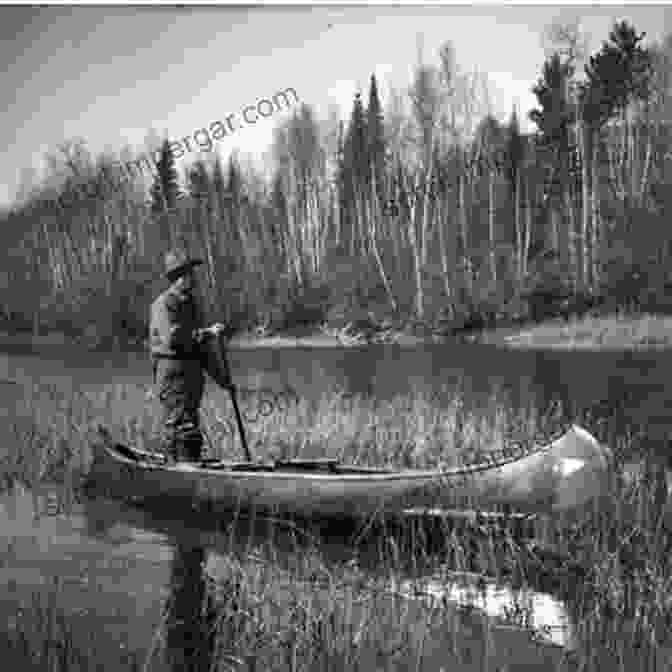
(606, 332)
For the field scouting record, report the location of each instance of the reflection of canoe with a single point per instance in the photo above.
(565, 473)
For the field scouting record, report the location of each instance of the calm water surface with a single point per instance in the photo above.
(121, 563)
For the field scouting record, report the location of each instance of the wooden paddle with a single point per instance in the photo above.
(223, 378)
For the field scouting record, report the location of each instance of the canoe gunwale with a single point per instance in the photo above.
(143, 460)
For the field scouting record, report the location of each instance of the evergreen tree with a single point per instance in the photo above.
(618, 74)
(198, 182)
(165, 190)
(344, 189)
(515, 153)
(355, 171)
(376, 135)
(514, 159)
(554, 114)
(356, 145)
(554, 117)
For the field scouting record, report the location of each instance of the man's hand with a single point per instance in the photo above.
(198, 335)
(213, 330)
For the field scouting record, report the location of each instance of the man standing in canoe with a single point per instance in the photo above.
(176, 335)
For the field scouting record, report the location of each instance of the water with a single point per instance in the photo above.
(119, 564)
(628, 384)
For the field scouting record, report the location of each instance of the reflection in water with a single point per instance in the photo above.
(188, 641)
(548, 367)
(146, 561)
(539, 614)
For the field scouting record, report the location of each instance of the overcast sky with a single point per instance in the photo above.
(109, 74)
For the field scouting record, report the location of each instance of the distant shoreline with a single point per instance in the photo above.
(608, 332)
(314, 339)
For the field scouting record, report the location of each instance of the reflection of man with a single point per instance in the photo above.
(189, 642)
(176, 334)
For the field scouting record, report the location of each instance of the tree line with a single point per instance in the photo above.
(425, 211)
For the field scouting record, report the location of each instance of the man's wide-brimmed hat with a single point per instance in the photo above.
(178, 263)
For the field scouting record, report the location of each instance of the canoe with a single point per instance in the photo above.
(559, 475)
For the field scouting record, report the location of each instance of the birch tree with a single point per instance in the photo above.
(426, 99)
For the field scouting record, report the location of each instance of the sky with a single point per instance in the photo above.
(110, 74)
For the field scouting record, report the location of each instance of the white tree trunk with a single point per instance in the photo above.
(442, 223)
(491, 226)
(519, 238)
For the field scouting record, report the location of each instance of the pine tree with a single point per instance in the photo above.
(554, 114)
(515, 152)
(165, 190)
(514, 159)
(619, 73)
(356, 173)
(356, 145)
(344, 189)
(376, 136)
(554, 118)
(198, 183)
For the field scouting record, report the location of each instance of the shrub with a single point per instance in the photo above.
(547, 289)
(91, 306)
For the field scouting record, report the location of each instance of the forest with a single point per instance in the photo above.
(423, 212)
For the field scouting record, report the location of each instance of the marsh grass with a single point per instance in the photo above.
(43, 635)
(312, 617)
(259, 616)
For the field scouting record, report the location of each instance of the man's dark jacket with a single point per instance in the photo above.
(174, 319)
(178, 371)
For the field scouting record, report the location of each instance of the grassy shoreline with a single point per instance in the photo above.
(616, 331)
(606, 332)
(306, 338)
